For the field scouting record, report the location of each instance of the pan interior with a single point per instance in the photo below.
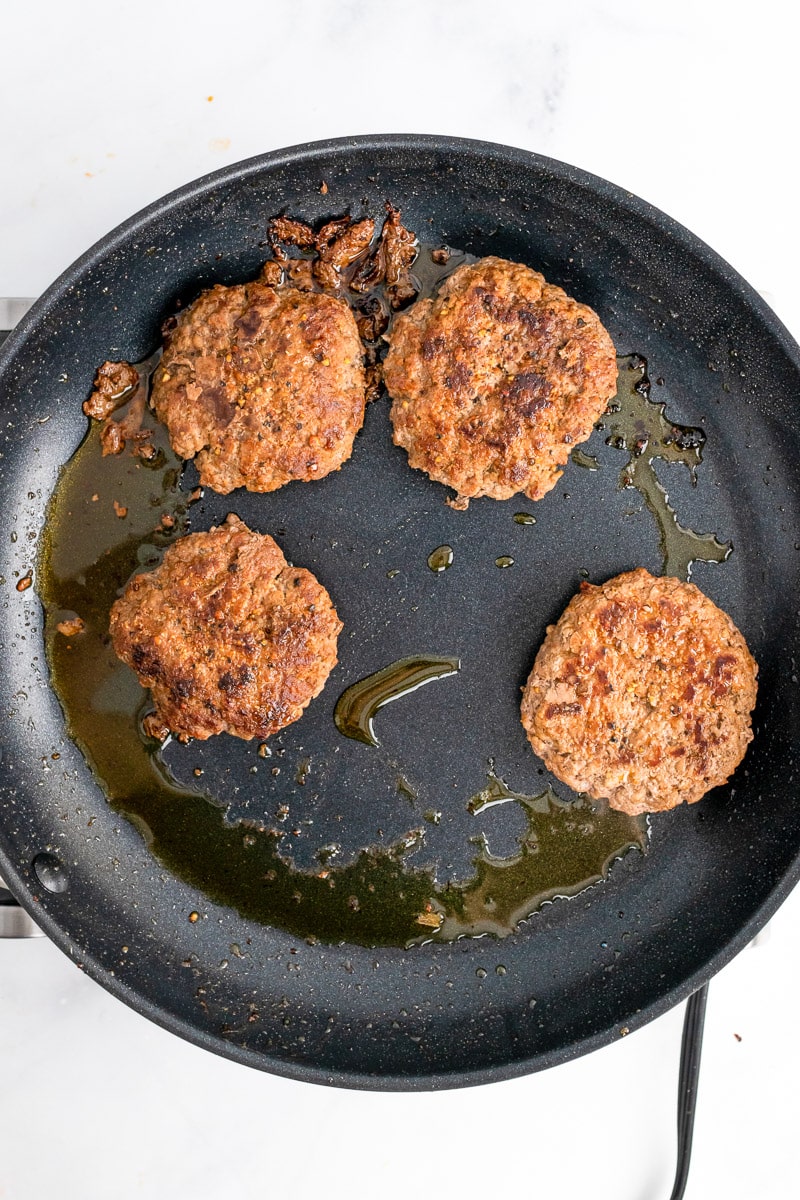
(580, 969)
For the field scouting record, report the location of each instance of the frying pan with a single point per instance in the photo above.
(581, 972)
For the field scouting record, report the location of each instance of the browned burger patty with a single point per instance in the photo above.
(227, 635)
(641, 694)
(263, 385)
(495, 380)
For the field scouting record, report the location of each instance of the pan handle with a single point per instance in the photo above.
(691, 1046)
(14, 921)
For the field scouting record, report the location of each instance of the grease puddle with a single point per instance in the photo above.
(639, 425)
(358, 704)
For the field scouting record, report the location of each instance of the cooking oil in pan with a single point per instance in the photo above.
(639, 426)
(380, 898)
(358, 704)
(87, 556)
(566, 847)
(440, 559)
(91, 548)
(587, 461)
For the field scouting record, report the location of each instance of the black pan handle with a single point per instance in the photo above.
(691, 1047)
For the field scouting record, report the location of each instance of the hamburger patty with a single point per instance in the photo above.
(641, 694)
(263, 385)
(495, 380)
(227, 635)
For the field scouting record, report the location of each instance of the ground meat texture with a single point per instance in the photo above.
(495, 380)
(262, 385)
(641, 694)
(227, 635)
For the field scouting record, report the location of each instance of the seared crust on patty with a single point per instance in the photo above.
(641, 694)
(227, 635)
(495, 380)
(263, 385)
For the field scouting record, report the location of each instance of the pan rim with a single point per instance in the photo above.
(691, 245)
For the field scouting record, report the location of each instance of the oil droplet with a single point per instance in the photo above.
(587, 461)
(523, 518)
(394, 571)
(405, 789)
(481, 973)
(500, 969)
(264, 751)
(358, 704)
(440, 559)
(640, 426)
(432, 816)
(303, 770)
(505, 560)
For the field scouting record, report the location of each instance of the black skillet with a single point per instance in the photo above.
(582, 972)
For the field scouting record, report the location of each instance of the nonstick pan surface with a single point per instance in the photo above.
(581, 972)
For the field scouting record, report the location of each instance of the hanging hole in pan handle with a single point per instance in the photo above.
(14, 921)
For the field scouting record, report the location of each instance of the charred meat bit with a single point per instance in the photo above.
(335, 256)
(389, 264)
(72, 627)
(272, 273)
(112, 382)
(374, 373)
(291, 233)
(120, 509)
(168, 327)
(372, 319)
(330, 232)
(111, 439)
(116, 434)
(300, 274)
(441, 257)
(155, 728)
(400, 251)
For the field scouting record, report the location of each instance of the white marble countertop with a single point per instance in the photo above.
(693, 106)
